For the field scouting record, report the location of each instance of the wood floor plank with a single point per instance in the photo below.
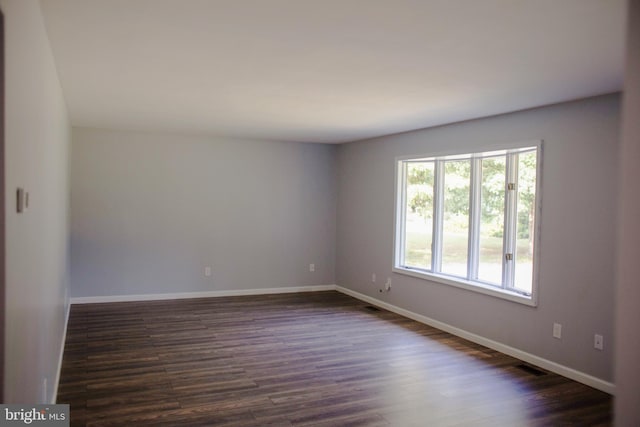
(310, 359)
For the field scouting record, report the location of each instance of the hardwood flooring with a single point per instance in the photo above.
(311, 359)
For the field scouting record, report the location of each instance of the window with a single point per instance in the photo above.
(469, 220)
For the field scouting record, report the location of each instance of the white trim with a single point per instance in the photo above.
(557, 368)
(56, 384)
(205, 294)
(459, 282)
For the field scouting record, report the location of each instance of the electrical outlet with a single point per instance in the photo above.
(312, 267)
(207, 271)
(598, 342)
(557, 330)
(373, 277)
(387, 285)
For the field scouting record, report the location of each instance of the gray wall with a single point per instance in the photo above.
(627, 374)
(150, 211)
(37, 139)
(577, 239)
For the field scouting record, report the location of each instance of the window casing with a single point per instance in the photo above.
(471, 220)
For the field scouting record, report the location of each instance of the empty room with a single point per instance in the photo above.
(320, 213)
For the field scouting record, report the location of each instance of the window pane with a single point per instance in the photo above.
(492, 220)
(455, 227)
(419, 215)
(525, 226)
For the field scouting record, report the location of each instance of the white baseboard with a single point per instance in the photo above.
(56, 383)
(557, 368)
(205, 294)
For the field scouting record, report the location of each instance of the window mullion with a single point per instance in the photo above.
(510, 221)
(403, 211)
(475, 204)
(438, 215)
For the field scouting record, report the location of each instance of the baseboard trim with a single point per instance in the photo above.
(206, 294)
(56, 383)
(549, 365)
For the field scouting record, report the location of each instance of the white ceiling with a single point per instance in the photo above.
(326, 70)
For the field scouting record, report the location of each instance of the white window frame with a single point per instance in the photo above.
(474, 221)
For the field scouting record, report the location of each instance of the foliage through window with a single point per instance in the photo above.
(470, 219)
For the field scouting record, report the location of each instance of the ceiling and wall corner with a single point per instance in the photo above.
(326, 71)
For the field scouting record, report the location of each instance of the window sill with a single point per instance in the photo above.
(470, 286)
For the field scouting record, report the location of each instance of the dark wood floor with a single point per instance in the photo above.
(320, 359)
